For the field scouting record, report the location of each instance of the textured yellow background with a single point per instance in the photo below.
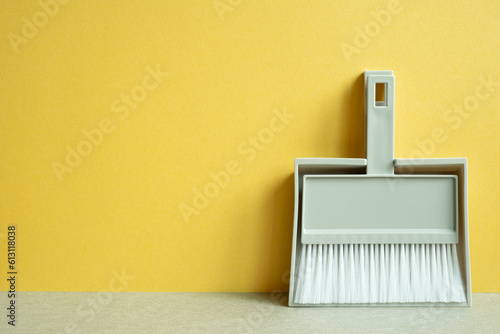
(228, 68)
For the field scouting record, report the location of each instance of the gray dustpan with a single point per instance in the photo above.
(379, 200)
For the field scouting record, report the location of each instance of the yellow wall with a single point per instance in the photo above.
(221, 76)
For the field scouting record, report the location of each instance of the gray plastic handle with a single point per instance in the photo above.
(379, 123)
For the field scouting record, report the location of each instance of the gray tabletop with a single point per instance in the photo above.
(151, 312)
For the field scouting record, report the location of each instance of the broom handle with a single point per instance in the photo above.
(379, 123)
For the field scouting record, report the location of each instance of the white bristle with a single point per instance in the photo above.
(375, 273)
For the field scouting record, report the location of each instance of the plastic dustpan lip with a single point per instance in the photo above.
(334, 162)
